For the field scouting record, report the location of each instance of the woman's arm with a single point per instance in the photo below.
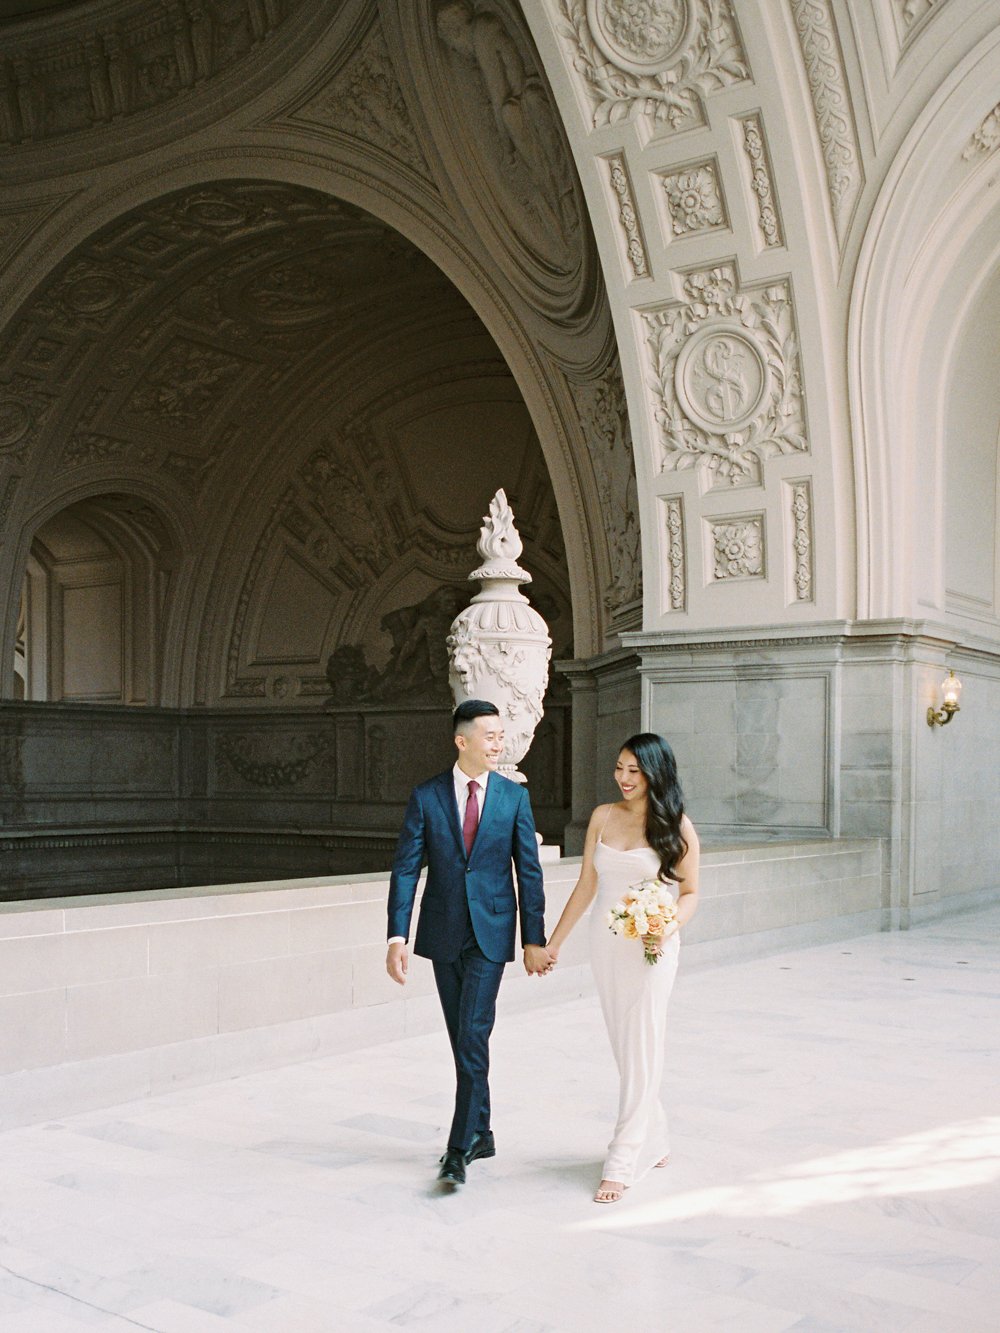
(586, 886)
(687, 874)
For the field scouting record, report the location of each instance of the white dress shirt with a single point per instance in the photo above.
(462, 781)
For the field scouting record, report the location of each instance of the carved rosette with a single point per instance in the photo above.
(499, 646)
(727, 378)
(694, 199)
(659, 58)
(737, 546)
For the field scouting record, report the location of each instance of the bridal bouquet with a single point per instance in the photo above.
(645, 910)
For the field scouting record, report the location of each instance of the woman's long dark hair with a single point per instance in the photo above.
(664, 799)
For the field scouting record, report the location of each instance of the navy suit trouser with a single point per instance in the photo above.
(468, 988)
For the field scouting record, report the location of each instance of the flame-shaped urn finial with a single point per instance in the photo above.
(499, 646)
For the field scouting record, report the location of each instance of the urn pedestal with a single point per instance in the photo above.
(499, 646)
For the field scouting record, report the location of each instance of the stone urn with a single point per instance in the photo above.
(499, 646)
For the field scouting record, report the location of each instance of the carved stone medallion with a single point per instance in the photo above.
(727, 376)
(641, 38)
(722, 378)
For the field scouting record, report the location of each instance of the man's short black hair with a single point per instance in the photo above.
(471, 709)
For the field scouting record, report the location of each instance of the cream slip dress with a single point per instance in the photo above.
(634, 996)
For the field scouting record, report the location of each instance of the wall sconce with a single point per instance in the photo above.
(951, 691)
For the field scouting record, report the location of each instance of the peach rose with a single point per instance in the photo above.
(655, 924)
(630, 932)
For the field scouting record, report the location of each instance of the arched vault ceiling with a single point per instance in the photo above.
(183, 336)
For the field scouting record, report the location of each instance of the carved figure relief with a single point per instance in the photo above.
(658, 58)
(62, 80)
(737, 546)
(694, 199)
(832, 107)
(727, 376)
(519, 137)
(761, 181)
(603, 415)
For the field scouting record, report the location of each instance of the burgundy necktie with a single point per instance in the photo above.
(471, 821)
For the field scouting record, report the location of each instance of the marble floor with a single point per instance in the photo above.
(836, 1165)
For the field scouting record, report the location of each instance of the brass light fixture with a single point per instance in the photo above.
(951, 691)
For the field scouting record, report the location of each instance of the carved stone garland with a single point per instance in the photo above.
(658, 58)
(726, 377)
(802, 556)
(499, 646)
(761, 179)
(635, 244)
(676, 569)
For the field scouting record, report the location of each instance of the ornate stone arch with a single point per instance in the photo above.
(931, 248)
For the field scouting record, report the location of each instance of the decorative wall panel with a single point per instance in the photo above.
(726, 376)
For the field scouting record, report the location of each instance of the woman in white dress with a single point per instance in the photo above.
(645, 835)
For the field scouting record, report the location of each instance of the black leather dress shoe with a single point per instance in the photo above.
(483, 1145)
(453, 1167)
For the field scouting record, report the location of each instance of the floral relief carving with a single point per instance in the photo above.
(23, 411)
(673, 506)
(986, 138)
(831, 106)
(761, 180)
(365, 101)
(635, 244)
(694, 199)
(184, 384)
(653, 57)
(91, 293)
(802, 546)
(737, 547)
(726, 376)
(251, 758)
(604, 421)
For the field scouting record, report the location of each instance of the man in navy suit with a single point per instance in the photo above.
(469, 826)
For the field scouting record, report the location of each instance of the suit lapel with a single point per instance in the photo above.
(446, 795)
(493, 802)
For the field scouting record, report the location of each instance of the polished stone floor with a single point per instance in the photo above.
(836, 1116)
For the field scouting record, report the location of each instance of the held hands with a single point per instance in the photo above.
(538, 960)
(397, 960)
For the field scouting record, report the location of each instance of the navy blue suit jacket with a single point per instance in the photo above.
(505, 838)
